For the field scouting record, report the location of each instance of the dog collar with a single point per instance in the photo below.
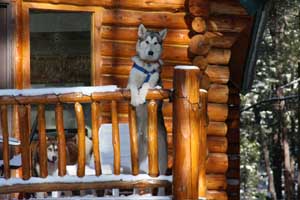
(144, 71)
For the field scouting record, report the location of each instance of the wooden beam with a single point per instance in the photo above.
(186, 118)
(154, 5)
(65, 186)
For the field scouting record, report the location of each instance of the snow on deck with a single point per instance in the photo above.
(57, 91)
(11, 141)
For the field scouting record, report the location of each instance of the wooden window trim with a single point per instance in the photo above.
(96, 22)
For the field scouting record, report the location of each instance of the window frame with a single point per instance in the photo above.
(96, 22)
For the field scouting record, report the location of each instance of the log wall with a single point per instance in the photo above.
(200, 32)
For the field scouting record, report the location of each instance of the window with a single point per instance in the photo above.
(60, 48)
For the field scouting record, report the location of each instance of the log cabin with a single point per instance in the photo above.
(71, 43)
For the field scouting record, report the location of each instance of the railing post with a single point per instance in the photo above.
(186, 131)
(202, 188)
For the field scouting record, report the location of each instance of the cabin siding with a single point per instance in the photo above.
(224, 21)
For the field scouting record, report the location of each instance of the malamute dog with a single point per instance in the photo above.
(145, 74)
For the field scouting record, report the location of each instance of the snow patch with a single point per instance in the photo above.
(16, 161)
(57, 91)
(11, 141)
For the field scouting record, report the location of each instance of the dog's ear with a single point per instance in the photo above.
(142, 30)
(163, 33)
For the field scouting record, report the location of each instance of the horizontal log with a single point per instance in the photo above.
(155, 5)
(217, 163)
(218, 74)
(217, 112)
(226, 7)
(222, 40)
(166, 73)
(217, 128)
(217, 144)
(216, 182)
(218, 93)
(174, 36)
(121, 81)
(205, 82)
(177, 36)
(69, 186)
(199, 45)
(219, 56)
(199, 24)
(121, 94)
(214, 194)
(199, 7)
(201, 62)
(122, 17)
(227, 23)
(128, 49)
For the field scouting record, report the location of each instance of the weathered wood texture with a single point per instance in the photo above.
(42, 141)
(81, 138)
(95, 114)
(5, 135)
(62, 162)
(25, 141)
(116, 138)
(152, 139)
(202, 187)
(186, 131)
(133, 140)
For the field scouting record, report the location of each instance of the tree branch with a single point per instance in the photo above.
(270, 100)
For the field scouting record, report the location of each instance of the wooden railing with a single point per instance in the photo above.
(189, 121)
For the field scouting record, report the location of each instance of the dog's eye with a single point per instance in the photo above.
(155, 43)
(147, 42)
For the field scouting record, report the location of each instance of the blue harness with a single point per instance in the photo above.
(144, 71)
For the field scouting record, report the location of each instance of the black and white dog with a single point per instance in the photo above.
(145, 74)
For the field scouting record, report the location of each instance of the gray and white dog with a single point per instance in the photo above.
(145, 74)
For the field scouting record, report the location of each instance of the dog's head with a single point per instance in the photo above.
(52, 151)
(149, 45)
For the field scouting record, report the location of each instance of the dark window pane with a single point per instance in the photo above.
(60, 48)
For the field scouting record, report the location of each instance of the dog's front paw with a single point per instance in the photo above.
(137, 100)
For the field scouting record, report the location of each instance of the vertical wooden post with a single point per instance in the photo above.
(62, 170)
(81, 139)
(152, 139)
(4, 126)
(25, 141)
(186, 117)
(95, 137)
(115, 137)
(133, 140)
(42, 141)
(202, 188)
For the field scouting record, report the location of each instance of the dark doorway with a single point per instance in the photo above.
(60, 49)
